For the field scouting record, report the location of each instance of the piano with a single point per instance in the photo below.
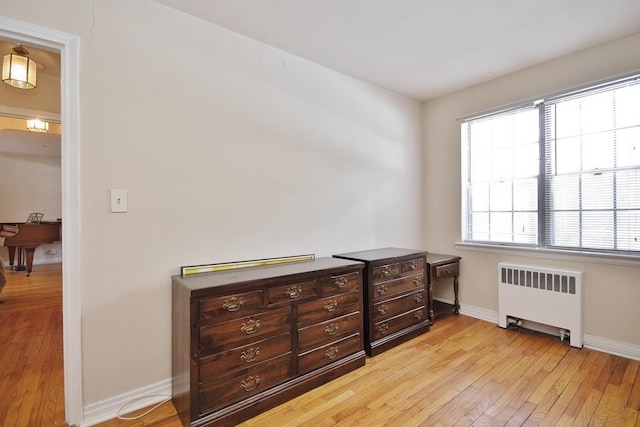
(28, 236)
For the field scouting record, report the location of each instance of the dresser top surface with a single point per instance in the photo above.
(382, 254)
(250, 274)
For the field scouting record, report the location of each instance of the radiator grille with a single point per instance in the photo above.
(539, 280)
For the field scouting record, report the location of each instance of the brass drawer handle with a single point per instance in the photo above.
(331, 305)
(233, 304)
(413, 265)
(418, 315)
(385, 270)
(294, 292)
(250, 355)
(382, 289)
(250, 383)
(250, 327)
(383, 328)
(448, 269)
(418, 297)
(341, 282)
(331, 353)
(417, 281)
(331, 329)
(382, 309)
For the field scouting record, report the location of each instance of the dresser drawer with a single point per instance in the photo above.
(393, 306)
(242, 357)
(328, 308)
(322, 356)
(244, 383)
(395, 324)
(343, 283)
(393, 287)
(385, 272)
(323, 333)
(447, 270)
(230, 334)
(230, 306)
(413, 266)
(294, 291)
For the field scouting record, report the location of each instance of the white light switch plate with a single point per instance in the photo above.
(118, 200)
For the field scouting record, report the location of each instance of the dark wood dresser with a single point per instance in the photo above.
(396, 305)
(247, 340)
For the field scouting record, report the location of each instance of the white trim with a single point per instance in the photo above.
(555, 254)
(69, 47)
(593, 342)
(108, 409)
(27, 113)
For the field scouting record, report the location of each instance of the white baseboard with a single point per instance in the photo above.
(136, 399)
(594, 342)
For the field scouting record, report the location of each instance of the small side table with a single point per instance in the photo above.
(440, 266)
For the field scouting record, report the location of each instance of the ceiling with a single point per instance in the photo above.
(423, 48)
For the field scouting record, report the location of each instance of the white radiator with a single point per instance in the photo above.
(543, 295)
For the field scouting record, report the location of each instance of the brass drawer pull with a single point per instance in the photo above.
(418, 315)
(233, 304)
(385, 270)
(331, 305)
(250, 383)
(418, 297)
(417, 281)
(382, 309)
(331, 353)
(331, 329)
(250, 327)
(294, 292)
(413, 265)
(383, 328)
(448, 269)
(382, 289)
(341, 282)
(250, 355)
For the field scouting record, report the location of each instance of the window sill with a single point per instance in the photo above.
(581, 256)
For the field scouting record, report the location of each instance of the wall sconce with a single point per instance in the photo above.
(18, 70)
(37, 125)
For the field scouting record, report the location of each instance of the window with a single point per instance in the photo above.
(560, 173)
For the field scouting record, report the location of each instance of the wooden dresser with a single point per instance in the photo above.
(244, 341)
(396, 305)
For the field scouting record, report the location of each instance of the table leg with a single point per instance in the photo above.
(456, 304)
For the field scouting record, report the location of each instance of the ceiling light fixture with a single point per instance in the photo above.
(37, 125)
(18, 70)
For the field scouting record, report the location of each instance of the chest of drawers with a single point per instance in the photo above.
(396, 303)
(247, 340)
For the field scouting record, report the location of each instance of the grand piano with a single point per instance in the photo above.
(27, 236)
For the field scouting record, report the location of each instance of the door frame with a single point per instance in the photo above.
(69, 47)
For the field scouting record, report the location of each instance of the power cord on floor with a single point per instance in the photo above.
(120, 417)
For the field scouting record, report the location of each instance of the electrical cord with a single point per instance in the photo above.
(121, 417)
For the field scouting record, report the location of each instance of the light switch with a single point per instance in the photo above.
(118, 200)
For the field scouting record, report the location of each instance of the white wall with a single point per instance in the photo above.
(612, 291)
(229, 150)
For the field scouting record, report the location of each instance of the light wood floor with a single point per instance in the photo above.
(463, 372)
(31, 374)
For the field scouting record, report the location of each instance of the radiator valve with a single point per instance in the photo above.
(564, 334)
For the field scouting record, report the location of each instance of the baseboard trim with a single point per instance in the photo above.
(108, 409)
(593, 342)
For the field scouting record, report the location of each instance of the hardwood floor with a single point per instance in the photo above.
(464, 372)
(31, 373)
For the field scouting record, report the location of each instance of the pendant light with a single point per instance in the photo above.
(18, 70)
(36, 125)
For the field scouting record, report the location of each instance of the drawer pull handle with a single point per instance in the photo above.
(382, 309)
(383, 328)
(331, 329)
(250, 355)
(413, 265)
(418, 315)
(385, 270)
(250, 327)
(417, 281)
(294, 292)
(418, 297)
(331, 305)
(233, 304)
(341, 282)
(382, 289)
(250, 383)
(447, 270)
(331, 353)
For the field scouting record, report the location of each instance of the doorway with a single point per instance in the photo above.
(67, 46)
